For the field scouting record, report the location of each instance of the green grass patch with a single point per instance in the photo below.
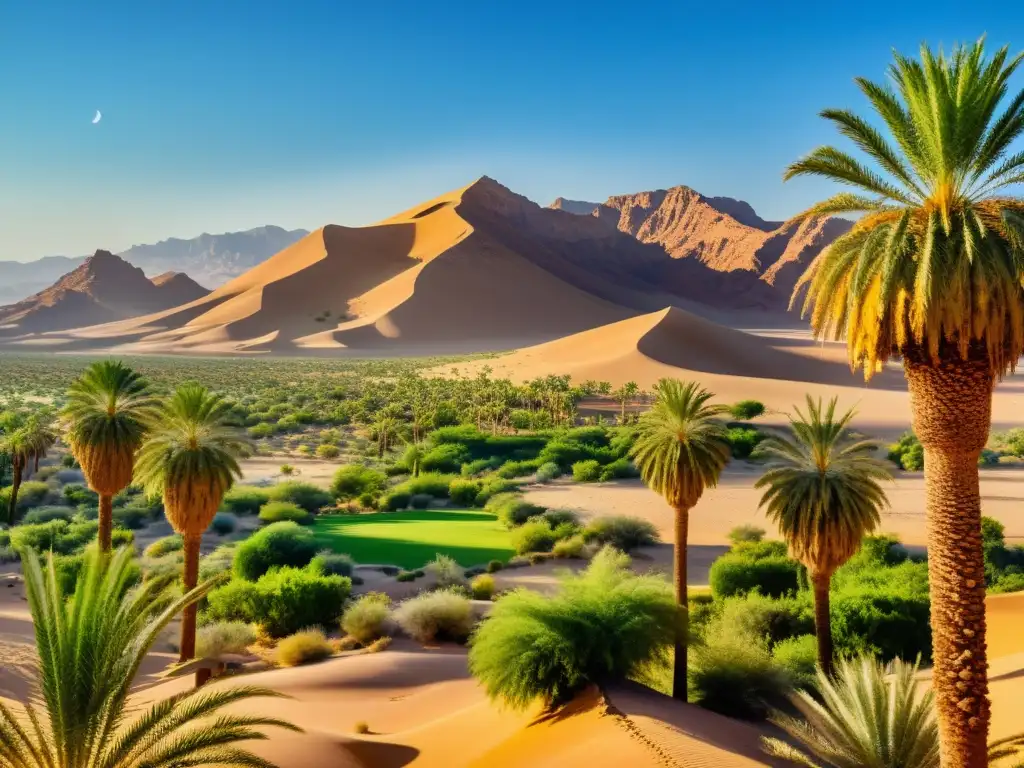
(412, 539)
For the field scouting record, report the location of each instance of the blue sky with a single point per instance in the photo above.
(227, 115)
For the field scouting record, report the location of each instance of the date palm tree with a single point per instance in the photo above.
(191, 459)
(868, 716)
(108, 411)
(681, 449)
(823, 489)
(90, 648)
(19, 450)
(932, 274)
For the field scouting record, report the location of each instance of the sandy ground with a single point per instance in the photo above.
(735, 502)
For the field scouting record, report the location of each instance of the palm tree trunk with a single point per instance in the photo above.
(15, 487)
(682, 598)
(191, 579)
(951, 404)
(106, 520)
(822, 582)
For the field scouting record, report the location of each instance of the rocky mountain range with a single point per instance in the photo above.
(723, 233)
(210, 259)
(103, 288)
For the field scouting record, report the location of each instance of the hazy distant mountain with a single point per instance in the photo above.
(209, 259)
(579, 207)
(212, 259)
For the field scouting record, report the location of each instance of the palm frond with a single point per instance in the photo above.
(681, 448)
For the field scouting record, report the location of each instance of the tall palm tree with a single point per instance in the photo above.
(681, 449)
(932, 273)
(868, 716)
(108, 411)
(18, 447)
(90, 648)
(191, 459)
(823, 489)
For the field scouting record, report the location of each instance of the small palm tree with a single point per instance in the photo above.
(868, 716)
(823, 489)
(191, 460)
(108, 411)
(933, 274)
(41, 436)
(19, 448)
(90, 648)
(681, 449)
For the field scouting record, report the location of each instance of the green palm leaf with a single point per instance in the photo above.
(91, 646)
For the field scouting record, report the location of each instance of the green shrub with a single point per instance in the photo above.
(494, 486)
(798, 656)
(736, 676)
(245, 499)
(217, 562)
(334, 563)
(224, 637)
(773, 620)
(478, 466)
(737, 574)
(482, 587)
(305, 495)
(511, 510)
(279, 544)
(223, 523)
(446, 458)
(283, 600)
(261, 430)
(907, 453)
(305, 647)
(620, 469)
(743, 440)
(886, 624)
(559, 517)
(165, 546)
(622, 532)
(31, 494)
(745, 534)
(574, 547)
(46, 515)
(395, 501)
(533, 536)
(446, 571)
(512, 469)
(745, 410)
(367, 618)
(327, 451)
(494, 566)
(405, 576)
(463, 492)
(536, 647)
(421, 500)
(587, 471)
(353, 480)
(427, 483)
(548, 471)
(77, 495)
(131, 517)
(282, 511)
(445, 614)
(62, 537)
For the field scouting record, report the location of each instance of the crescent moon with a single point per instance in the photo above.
(98, 117)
